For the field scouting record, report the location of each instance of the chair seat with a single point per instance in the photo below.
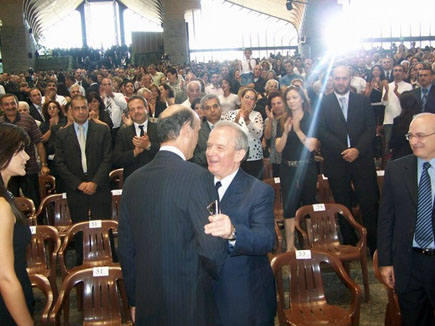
(318, 315)
(343, 252)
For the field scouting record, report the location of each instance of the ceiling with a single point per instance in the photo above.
(41, 14)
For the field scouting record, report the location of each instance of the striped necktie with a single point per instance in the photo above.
(423, 228)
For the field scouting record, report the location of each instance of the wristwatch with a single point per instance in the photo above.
(233, 235)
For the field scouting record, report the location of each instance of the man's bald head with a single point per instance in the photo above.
(422, 136)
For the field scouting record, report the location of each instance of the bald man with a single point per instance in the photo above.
(407, 225)
(161, 231)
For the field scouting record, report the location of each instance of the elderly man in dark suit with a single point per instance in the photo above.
(137, 144)
(346, 131)
(35, 108)
(245, 295)
(83, 160)
(167, 260)
(211, 107)
(425, 94)
(407, 225)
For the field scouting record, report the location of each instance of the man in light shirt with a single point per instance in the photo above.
(115, 102)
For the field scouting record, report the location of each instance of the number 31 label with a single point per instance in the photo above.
(303, 254)
(100, 271)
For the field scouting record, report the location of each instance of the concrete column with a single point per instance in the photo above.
(81, 10)
(17, 46)
(121, 22)
(174, 28)
(316, 17)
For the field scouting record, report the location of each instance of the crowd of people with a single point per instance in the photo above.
(81, 124)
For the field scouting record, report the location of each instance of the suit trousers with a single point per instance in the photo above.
(367, 195)
(29, 184)
(254, 168)
(417, 303)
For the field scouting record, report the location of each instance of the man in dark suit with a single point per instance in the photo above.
(35, 108)
(167, 260)
(211, 107)
(94, 86)
(137, 144)
(407, 225)
(83, 160)
(245, 295)
(425, 94)
(346, 131)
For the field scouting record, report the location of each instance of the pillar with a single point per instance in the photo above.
(17, 44)
(174, 28)
(122, 8)
(81, 10)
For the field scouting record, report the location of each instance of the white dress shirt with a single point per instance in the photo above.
(145, 128)
(174, 150)
(115, 106)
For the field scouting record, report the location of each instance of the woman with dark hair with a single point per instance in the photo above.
(128, 89)
(98, 109)
(196, 106)
(167, 94)
(296, 140)
(155, 105)
(374, 87)
(398, 143)
(252, 123)
(276, 112)
(53, 115)
(16, 298)
(229, 101)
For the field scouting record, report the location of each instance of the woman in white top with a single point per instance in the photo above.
(228, 101)
(252, 123)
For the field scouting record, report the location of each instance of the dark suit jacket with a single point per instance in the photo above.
(199, 154)
(430, 103)
(123, 156)
(93, 88)
(35, 113)
(245, 295)
(397, 218)
(98, 156)
(333, 130)
(167, 260)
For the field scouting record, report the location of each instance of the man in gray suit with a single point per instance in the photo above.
(212, 111)
(168, 261)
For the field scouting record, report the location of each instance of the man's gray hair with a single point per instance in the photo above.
(208, 97)
(241, 136)
(194, 82)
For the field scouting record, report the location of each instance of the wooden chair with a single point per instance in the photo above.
(54, 211)
(116, 201)
(97, 249)
(324, 191)
(392, 312)
(380, 176)
(41, 282)
(278, 206)
(42, 254)
(307, 302)
(103, 289)
(47, 185)
(325, 235)
(27, 206)
(267, 169)
(117, 178)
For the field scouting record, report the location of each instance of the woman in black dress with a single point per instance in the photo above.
(374, 88)
(16, 298)
(296, 140)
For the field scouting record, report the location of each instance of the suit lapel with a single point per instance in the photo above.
(90, 136)
(350, 108)
(73, 137)
(336, 106)
(234, 192)
(410, 178)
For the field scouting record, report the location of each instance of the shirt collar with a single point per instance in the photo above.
(85, 126)
(342, 95)
(225, 182)
(174, 150)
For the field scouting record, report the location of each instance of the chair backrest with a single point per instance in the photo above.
(278, 205)
(117, 178)
(103, 288)
(305, 280)
(47, 185)
(42, 283)
(42, 251)
(26, 206)
(324, 191)
(393, 315)
(96, 243)
(116, 201)
(55, 211)
(324, 224)
(267, 169)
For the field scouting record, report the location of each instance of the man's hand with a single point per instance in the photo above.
(219, 226)
(350, 154)
(387, 273)
(133, 314)
(45, 170)
(88, 188)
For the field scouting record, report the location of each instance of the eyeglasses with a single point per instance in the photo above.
(418, 136)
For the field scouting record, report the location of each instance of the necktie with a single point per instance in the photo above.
(109, 106)
(217, 186)
(343, 104)
(142, 132)
(82, 143)
(388, 76)
(423, 228)
(424, 98)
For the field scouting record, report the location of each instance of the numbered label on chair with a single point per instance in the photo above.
(117, 192)
(33, 229)
(100, 271)
(303, 254)
(319, 207)
(95, 224)
(324, 177)
(277, 180)
(380, 173)
(64, 195)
